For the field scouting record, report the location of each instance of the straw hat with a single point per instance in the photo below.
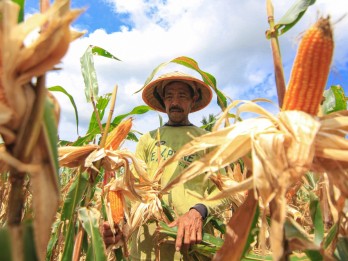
(153, 91)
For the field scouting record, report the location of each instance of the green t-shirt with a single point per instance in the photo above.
(171, 140)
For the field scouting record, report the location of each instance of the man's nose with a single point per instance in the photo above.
(175, 101)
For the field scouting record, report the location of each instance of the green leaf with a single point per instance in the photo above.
(54, 238)
(5, 243)
(132, 137)
(89, 217)
(314, 255)
(51, 135)
(119, 254)
(102, 52)
(217, 224)
(138, 110)
(168, 211)
(342, 248)
(74, 196)
(317, 218)
(293, 15)
(335, 100)
(93, 131)
(101, 105)
(331, 235)
(89, 74)
(252, 231)
(29, 242)
(69, 242)
(294, 232)
(62, 90)
(192, 64)
(88, 70)
(21, 11)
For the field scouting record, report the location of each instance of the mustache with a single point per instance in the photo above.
(177, 108)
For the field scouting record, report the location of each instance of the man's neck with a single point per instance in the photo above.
(178, 124)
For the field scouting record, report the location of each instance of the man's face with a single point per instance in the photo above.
(178, 101)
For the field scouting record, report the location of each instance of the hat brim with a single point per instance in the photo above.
(151, 98)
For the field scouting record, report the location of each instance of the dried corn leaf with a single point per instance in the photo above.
(237, 232)
(70, 156)
(45, 199)
(283, 148)
(33, 59)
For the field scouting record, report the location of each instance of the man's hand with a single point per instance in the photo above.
(108, 237)
(190, 227)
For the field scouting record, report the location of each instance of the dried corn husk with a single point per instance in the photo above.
(283, 148)
(33, 59)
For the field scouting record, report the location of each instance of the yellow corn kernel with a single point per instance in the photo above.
(116, 204)
(311, 69)
(118, 134)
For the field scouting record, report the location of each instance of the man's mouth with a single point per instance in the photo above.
(175, 109)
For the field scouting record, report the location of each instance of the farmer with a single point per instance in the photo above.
(177, 95)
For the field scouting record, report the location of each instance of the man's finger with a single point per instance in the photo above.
(179, 237)
(199, 235)
(187, 237)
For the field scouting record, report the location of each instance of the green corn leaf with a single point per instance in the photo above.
(331, 235)
(293, 230)
(56, 229)
(335, 100)
(29, 242)
(5, 243)
(89, 74)
(342, 248)
(101, 105)
(21, 4)
(69, 237)
(314, 255)
(88, 70)
(252, 230)
(74, 196)
(217, 224)
(96, 130)
(317, 218)
(96, 50)
(295, 233)
(132, 137)
(50, 131)
(89, 218)
(62, 90)
(293, 15)
(138, 110)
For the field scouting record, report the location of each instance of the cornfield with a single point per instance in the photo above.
(286, 173)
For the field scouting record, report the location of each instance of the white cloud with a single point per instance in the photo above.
(226, 38)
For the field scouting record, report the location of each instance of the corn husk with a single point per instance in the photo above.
(283, 148)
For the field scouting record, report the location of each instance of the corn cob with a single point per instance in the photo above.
(116, 205)
(310, 69)
(117, 135)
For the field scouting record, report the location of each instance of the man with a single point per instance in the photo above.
(177, 95)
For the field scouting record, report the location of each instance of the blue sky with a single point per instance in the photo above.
(225, 37)
(99, 14)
